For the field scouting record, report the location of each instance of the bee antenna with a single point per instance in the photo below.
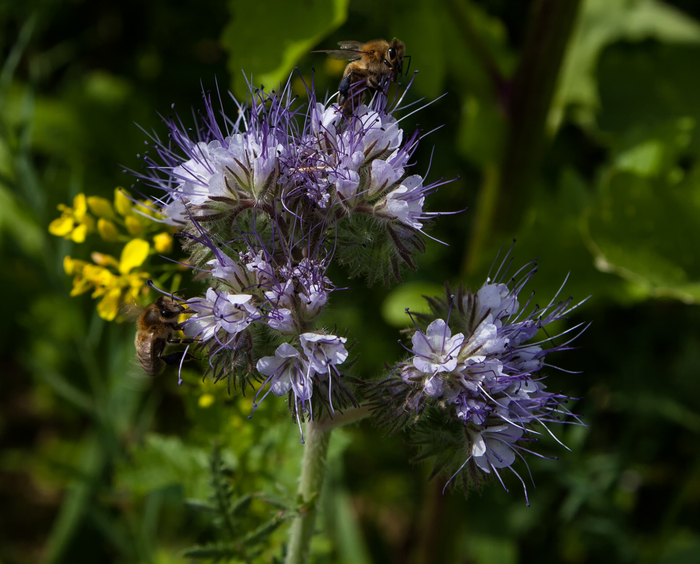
(409, 63)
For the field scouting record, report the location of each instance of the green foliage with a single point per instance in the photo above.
(235, 526)
(101, 464)
(266, 54)
(162, 462)
(602, 23)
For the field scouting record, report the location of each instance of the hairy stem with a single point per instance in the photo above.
(349, 416)
(313, 469)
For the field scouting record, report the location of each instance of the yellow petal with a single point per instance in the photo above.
(107, 230)
(68, 265)
(61, 226)
(122, 203)
(100, 276)
(133, 226)
(72, 266)
(133, 255)
(136, 282)
(101, 207)
(80, 286)
(163, 243)
(104, 260)
(79, 233)
(79, 206)
(109, 305)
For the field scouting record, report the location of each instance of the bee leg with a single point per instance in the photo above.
(182, 341)
(373, 83)
(344, 89)
(173, 359)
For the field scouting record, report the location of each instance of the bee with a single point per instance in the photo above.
(370, 64)
(155, 328)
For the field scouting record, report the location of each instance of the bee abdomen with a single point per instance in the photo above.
(148, 351)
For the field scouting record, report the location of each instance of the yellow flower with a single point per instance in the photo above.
(75, 223)
(107, 230)
(73, 266)
(104, 260)
(101, 207)
(163, 243)
(122, 202)
(206, 400)
(133, 255)
(133, 225)
(116, 282)
(109, 305)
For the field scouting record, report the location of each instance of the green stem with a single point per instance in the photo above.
(509, 183)
(483, 220)
(349, 416)
(313, 468)
(533, 89)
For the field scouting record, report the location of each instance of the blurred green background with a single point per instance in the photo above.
(573, 128)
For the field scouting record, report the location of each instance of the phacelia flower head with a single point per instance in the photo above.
(265, 201)
(478, 368)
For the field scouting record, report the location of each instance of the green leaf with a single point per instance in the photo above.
(644, 87)
(266, 39)
(421, 30)
(646, 231)
(553, 234)
(163, 461)
(601, 23)
(409, 295)
(482, 131)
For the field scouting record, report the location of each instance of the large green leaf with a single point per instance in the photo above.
(647, 230)
(266, 39)
(552, 234)
(647, 86)
(601, 23)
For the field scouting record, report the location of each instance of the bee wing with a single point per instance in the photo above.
(130, 310)
(352, 45)
(341, 54)
(349, 51)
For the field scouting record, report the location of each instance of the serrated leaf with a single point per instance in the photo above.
(241, 506)
(266, 529)
(217, 551)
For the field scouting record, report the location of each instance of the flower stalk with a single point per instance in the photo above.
(313, 468)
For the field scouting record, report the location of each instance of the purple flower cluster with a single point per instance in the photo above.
(265, 202)
(478, 364)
